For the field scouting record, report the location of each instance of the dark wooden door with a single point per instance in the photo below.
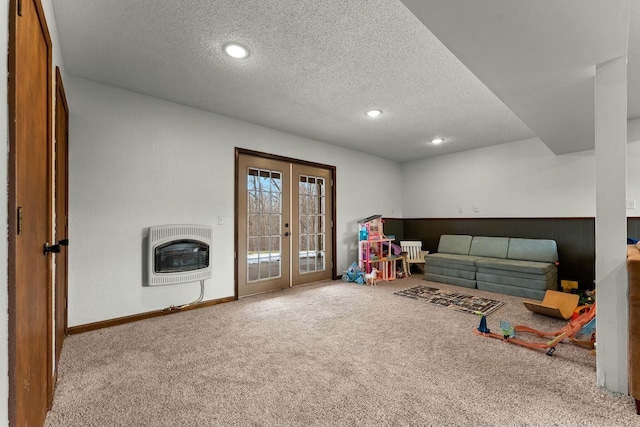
(62, 212)
(30, 225)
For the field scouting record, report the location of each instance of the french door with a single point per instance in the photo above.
(284, 223)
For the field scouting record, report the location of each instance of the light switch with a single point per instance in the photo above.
(220, 220)
(631, 204)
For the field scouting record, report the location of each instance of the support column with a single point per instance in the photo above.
(611, 224)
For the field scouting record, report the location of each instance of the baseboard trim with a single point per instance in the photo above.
(52, 386)
(142, 316)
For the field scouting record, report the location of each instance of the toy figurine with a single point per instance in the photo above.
(371, 277)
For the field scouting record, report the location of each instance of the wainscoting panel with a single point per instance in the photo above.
(394, 227)
(575, 237)
(633, 228)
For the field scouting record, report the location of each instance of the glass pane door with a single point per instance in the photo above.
(263, 222)
(284, 224)
(312, 206)
(311, 199)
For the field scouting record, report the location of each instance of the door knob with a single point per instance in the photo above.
(64, 242)
(287, 234)
(53, 248)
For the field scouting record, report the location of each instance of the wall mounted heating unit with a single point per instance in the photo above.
(178, 254)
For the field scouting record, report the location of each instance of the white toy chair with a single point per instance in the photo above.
(415, 254)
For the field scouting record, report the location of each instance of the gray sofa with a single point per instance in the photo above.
(514, 266)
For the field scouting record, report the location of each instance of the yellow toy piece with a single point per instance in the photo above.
(555, 304)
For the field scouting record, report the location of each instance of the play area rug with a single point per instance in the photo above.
(453, 300)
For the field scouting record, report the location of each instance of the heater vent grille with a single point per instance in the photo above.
(164, 234)
(174, 279)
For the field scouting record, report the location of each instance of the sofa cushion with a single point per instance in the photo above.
(446, 260)
(516, 265)
(454, 244)
(455, 271)
(523, 267)
(533, 250)
(542, 283)
(511, 290)
(494, 247)
(515, 273)
(459, 281)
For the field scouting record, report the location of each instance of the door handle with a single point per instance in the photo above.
(64, 242)
(53, 248)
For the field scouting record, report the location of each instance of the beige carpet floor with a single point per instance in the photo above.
(329, 354)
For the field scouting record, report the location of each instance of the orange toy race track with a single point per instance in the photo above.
(569, 331)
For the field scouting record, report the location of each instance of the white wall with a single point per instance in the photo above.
(137, 161)
(518, 179)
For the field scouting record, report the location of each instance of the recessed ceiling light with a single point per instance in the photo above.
(373, 113)
(234, 50)
(437, 141)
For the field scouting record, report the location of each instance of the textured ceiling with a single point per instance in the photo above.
(539, 57)
(315, 68)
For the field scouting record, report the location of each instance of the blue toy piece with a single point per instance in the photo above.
(589, 328)
(482, 328)
(354, 274)
(507, 329)
(364, 233)
(587, 333)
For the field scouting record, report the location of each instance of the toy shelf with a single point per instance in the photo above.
(375, 249)
(376, 253)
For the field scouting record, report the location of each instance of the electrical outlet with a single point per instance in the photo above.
(460, 209)
(476, 208)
